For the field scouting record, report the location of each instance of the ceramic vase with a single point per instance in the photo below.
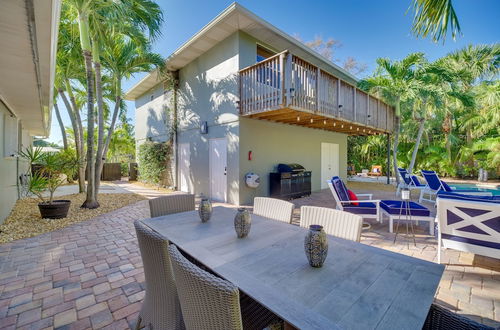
(242, 222)
(205, 209)
(316, 246)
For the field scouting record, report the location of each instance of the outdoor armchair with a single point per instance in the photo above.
(469, 223)
(161, 308)
(273, 208)
(171, 204)
(365, 208)
(336, 223)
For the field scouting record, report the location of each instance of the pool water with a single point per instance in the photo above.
(491, 188)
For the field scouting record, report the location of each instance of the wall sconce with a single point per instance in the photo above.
(292, 92)
(204, 127)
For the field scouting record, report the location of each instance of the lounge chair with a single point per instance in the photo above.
(369, 208)
(273, 208)
(376, 170)
(469, 223)
(336, 223)
(436, 185)
(410, 181)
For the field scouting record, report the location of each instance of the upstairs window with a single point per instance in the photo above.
(263, 53)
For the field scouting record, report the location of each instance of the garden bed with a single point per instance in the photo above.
(25, 221)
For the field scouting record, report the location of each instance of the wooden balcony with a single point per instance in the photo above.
(286, 89)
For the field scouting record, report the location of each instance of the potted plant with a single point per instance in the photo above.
(47, 172)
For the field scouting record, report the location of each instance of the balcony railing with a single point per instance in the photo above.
(286, 81)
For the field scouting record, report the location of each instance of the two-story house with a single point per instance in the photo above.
(247, 97)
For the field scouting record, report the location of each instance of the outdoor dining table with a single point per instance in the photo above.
(358, 287)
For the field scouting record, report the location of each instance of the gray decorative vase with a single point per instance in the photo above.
(316, 246)
(242, 222)
(205, 209)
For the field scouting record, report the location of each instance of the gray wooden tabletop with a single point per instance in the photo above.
(358, 287)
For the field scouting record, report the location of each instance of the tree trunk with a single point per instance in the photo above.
(61, 126)
(78, 141)
(91, 201)
(100, 120)
(417, 144)
(397, 128)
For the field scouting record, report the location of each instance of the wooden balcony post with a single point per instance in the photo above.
(318, 77)
(282, 80)
(338, 97)
(354, 103)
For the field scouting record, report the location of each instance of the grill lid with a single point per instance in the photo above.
(292, 167)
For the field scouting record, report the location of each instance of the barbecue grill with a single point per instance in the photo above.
(290, 181)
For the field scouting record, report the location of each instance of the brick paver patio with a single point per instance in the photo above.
(90, 275)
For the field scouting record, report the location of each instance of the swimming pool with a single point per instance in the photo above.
(493, 188)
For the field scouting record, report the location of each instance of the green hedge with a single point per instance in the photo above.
(153, 160)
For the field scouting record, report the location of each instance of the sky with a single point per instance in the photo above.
(366, 29)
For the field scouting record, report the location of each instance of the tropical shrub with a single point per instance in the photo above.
(153, 160)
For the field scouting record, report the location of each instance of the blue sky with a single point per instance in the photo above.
(366, 29)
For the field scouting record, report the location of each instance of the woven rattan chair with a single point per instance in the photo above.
(161, 308)
(335, 222)
(273, 208)
(440, 318)
(209, 302)
(171, 204)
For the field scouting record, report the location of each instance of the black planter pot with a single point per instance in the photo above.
(57, 210)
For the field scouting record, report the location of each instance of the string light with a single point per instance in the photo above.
(312, 120)
(342, 126)
(350, 127)
(334, 124)
(298, 118)
(324, 122)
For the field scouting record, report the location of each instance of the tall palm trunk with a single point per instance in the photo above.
(61, 126)
(78, 141)
(397, 128)
(91, 201)
(421, 127)
(100, 118)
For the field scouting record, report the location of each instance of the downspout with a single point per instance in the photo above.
(174, 139)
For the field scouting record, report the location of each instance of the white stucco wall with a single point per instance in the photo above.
(10, 167)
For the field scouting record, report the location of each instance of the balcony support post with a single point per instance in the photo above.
(288, 79)
(318, 87)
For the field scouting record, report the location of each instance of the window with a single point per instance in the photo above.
(263, 53)
(10, 136)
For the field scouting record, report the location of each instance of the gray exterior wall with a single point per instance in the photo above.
(274, 143)
(10, 167)
(209, 91)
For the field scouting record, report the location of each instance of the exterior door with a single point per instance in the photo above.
(184, 165)
(329, 162)
(218, 169)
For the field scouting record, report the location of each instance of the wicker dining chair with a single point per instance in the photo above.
(161, 308)
(209, 302)
(273, 208)
(440, 318)
(171, 204)
(335, 222)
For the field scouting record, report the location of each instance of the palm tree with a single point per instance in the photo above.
(395, 82)
(434, 17)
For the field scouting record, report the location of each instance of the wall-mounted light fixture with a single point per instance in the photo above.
(204, 127)
(292, 92)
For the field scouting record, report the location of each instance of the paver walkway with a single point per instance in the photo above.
(90, 275)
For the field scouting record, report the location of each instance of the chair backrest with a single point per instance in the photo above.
(273, 208)
(339, 191)
(415, 181)
(470, 223)
(207, 301)
(433, 180)
(442, 318)
(161, 308)
(336, 223)
(404, 175)
(171, 204)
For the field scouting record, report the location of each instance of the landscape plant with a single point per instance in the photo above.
(153, 159)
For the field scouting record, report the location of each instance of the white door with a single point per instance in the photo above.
(218, 169)
(329, 162)
(184, 165)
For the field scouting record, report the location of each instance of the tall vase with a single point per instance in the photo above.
(316, 246)
(242, 222)
(205, 209)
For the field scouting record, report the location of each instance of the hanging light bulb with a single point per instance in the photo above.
(312, 120)
(350, 127)
(342, 126)
(364, 130)
(324, 122)
(334, 124)
(357, 129)
(298, 118)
